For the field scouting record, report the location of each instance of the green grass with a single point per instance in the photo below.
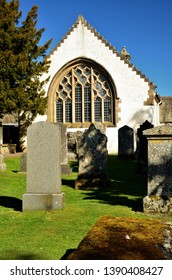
(48, 235)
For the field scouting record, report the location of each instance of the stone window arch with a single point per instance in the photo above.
(82, 93)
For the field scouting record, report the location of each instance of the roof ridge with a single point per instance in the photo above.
(83, 21)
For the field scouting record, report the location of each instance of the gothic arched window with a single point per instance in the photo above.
(84, 95)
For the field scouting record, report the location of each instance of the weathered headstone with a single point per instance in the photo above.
(159, 185)
(92, 155)
(126, 142)
(43, 190)
(71, 141)
(65, 169)
(3, 166)
(142, 148)
(23, 162)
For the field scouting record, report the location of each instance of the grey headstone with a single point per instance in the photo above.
(92, 154)
(43, 190)
(159, 188)
(126, 142)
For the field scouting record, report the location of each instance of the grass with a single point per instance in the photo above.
(48, 235)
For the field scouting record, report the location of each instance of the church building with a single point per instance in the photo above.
(92, 82)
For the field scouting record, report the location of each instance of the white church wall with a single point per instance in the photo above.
(131, 89)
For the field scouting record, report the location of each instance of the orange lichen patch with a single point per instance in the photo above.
(123, 239)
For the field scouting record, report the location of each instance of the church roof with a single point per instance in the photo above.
(121, 55)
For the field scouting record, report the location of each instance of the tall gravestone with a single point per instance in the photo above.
(126, 142)
(92, 156)
(65, 169)
(43, 190)
(159, 182)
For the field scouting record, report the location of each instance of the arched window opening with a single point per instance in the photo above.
(84, 95)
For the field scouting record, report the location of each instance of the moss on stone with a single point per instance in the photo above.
(123, 239)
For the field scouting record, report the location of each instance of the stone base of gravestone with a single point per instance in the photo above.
(49, 202)
(157, 204)
(3, 166)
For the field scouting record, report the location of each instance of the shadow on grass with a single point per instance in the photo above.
(11, 202)
(127, 186)
(11, 255)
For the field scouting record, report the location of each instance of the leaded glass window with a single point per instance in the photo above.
(78, 103)
(84, 95)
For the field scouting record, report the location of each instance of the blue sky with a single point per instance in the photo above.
(143, 26)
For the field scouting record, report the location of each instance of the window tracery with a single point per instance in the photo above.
(84, 95)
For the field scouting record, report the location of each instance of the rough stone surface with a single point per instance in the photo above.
(157, 204)
(43, 167)
(159, 169)
(3, 166)
(71, 140)
(65, 169)
(117, 238)
(23, 162)
(92, 155)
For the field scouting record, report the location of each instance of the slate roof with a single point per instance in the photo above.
(106, 43)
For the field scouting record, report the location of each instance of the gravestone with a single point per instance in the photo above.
(23, 162)
(43, 190)
(3, 166)
(159, 178)
(71, 141)
(92, 156)
(142, 148)
(65, 169)
(126, 142)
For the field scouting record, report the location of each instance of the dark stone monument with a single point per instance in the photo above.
(92, 155)
(125, 142)
(142, 148)
(159, 185)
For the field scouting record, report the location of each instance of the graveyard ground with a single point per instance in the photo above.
(49, 235)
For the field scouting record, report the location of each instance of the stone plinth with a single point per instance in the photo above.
(92, 155)
(159, 183)
(43, 190)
